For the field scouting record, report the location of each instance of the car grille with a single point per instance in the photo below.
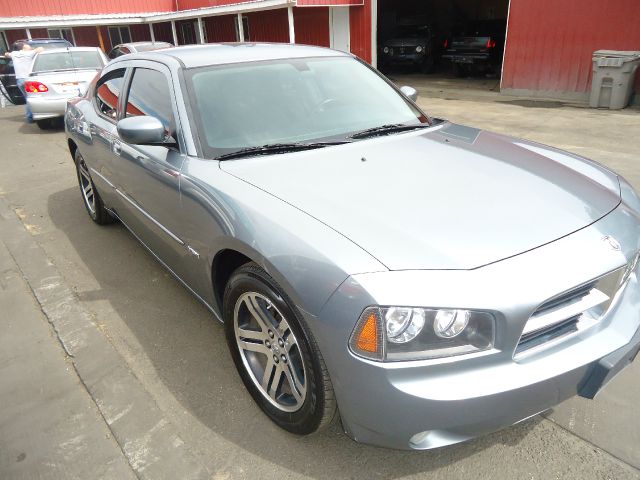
(571, 311)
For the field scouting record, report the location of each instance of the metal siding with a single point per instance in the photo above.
(13, 35)
(312, 26)
(71, 7)
(140, 33)
(269, 26)
(550, 43)
(360, 24)
(221, 28)
(86, 36)
(162, 32)
(39, 33)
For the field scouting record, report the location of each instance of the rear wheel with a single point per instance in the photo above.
(275, 353)
(90, 197)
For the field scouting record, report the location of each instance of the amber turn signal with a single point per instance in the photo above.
(366, 339)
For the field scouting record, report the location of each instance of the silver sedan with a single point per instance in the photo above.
(56, 76)
(432, 282)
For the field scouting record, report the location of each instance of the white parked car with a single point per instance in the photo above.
(58, 75)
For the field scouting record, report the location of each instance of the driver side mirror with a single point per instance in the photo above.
(144, 130)
(410, 92)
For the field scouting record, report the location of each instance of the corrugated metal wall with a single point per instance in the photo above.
(550, 42)
(268, 26)
(360, 25)
(86, 36)
(221, 28)
(13, 35)
(312, 26)
(12, 8)
(39, 33)
(162, 32)
(140, 33)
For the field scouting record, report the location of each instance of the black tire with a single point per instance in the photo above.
(95, 208)
(45, 124)
(318, 409)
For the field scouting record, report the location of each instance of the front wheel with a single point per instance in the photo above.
(275, 353)
(90, 196)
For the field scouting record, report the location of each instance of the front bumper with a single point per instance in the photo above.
(468, 58)
(43, 107)
(433, 403)
(403, 59)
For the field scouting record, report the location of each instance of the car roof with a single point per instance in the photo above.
(192, 56)
(69, 49)
(134, 44)
(43, 40)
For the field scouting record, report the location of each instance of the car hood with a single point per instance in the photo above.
(451, 198)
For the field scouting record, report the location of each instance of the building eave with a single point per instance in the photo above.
(8, 23)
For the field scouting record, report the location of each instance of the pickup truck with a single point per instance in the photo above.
(477, 47)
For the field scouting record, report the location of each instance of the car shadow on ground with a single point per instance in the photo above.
(187, 348)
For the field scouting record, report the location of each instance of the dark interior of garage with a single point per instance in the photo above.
(460, 37)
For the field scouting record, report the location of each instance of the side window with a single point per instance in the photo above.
(115, 53)
(108, 91)
(149, 94)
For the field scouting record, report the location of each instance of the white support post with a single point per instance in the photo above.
(292, 28)
(201, 30)
(28, 34)
(374, 34)
(173, 31)
(240, 28)
(153, 37)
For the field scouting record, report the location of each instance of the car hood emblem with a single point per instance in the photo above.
(612, 242)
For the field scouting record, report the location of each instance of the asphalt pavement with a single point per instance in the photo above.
(91, 320)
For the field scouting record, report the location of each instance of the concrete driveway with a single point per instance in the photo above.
(172, 360)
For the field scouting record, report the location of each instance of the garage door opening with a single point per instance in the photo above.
(458, 40)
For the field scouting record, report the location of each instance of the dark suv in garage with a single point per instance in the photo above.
(411, 45)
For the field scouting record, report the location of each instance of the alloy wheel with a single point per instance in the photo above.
(270, 351)
(87, 186)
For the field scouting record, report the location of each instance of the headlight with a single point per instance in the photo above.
(409, 333)
(385, 49)
(419, 49)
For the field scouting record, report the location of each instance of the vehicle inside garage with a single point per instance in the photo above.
(464, 38)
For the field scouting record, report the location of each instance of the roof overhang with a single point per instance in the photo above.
(8, 23)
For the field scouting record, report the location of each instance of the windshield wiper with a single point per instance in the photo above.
(274, 148)
(387, 129)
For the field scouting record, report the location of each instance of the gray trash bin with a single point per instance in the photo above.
(613, 77)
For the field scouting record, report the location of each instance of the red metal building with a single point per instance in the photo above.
(547, 51)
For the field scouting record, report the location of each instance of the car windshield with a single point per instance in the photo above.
(69, 60)
(293, 100)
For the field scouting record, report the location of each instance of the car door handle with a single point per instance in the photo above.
(117, 148)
